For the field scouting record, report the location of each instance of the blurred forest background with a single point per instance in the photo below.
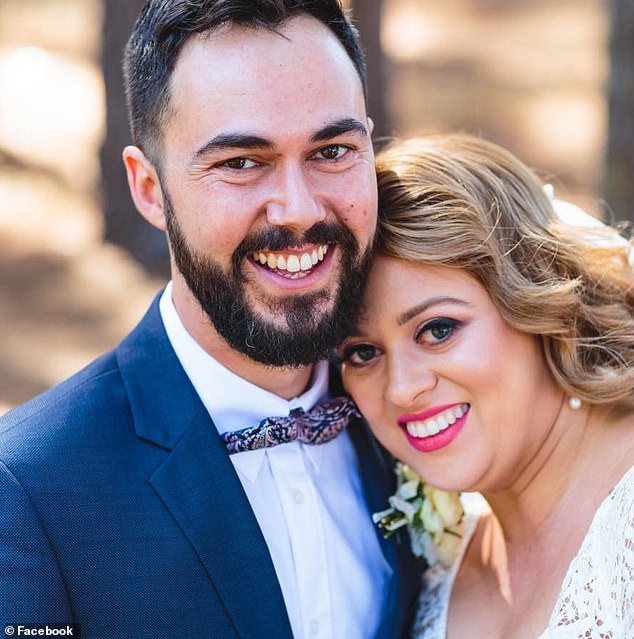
(553, 80)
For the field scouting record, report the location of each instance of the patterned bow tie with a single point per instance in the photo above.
(317, 426)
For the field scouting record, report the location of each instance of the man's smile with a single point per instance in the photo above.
(295, 264)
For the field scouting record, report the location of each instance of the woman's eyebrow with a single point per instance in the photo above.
(407, 315)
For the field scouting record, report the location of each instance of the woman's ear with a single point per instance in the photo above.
(145, 186)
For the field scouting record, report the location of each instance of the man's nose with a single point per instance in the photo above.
(294, 203)
(407, 383)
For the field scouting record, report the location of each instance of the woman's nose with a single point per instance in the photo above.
(407, 383)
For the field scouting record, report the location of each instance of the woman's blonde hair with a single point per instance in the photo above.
(465, 203)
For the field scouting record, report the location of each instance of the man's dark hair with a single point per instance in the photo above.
(164, 26)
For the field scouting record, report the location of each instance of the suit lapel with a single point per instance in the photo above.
(198, 484)
(379, 483)
(378, 480)
(377, 475)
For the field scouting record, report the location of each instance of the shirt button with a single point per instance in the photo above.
(313, 627)
(298, 497)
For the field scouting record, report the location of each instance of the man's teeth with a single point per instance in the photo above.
(291, 262)
(437, 423)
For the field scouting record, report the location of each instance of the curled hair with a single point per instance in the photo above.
(465, 203)
(164, 26)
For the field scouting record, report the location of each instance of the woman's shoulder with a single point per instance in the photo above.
(597, 595)
(614, 525)
(613, 475)
(624, 489)
(614, 521)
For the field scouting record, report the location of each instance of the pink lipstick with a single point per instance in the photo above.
(436, 427)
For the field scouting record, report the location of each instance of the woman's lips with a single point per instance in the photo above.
(435, 427)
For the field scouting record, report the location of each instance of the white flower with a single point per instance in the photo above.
(409, 489)
(403, 506)
(434, 518)
(447, 548)
(446, 504)
(407, 474)
(431, 519)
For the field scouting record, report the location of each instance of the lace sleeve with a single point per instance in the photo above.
(597, 596)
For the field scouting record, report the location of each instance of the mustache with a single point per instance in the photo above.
(280, 239)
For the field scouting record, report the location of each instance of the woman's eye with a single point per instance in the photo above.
(359, 355)
(437, 331)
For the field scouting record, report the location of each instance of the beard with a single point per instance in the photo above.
(309, 325)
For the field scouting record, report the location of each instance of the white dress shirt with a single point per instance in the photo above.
(308, 500)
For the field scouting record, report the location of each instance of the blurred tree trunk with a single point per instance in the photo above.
(619, 167)
(367, 17)
(123, 225)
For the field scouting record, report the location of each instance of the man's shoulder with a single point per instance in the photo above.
(80, 397)
(94, 390)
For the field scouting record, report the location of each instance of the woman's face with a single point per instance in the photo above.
(446, 384)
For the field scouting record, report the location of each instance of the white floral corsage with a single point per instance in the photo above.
(434, 518)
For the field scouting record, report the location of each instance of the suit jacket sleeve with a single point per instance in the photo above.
(31, 586)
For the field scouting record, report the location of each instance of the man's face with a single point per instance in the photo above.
(269, 187)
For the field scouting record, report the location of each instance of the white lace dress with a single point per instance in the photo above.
(596, 600)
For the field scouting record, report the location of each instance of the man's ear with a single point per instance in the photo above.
(370, 126)
(145, 186)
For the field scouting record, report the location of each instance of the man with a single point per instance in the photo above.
(122, 508)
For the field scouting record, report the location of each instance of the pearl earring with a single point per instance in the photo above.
(574, 403)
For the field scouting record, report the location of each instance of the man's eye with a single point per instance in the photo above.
(437, 331)
(332, 152)
(359, 354)
(239, 163)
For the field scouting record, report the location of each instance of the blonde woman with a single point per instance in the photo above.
(495, 354)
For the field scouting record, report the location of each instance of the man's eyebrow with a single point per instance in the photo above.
(339, 127)
(233, 141)
(410, 313)
(225, 141)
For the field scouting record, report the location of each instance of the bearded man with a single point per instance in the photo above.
(180, 486)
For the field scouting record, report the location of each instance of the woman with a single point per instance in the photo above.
(495, 354)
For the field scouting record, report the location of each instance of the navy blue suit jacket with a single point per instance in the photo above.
(120, 510)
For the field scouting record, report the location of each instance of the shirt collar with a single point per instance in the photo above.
(233, 402)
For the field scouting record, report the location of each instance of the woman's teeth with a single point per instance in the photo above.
(438, 423)
(291, 262)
